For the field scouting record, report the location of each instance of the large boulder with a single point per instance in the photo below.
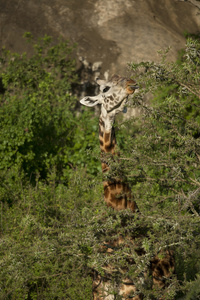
(109, 33)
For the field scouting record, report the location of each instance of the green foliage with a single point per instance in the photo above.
(54, 232)
(44, 240)
(194, 289)
(165, 155)
(45, 139)
(39, 125)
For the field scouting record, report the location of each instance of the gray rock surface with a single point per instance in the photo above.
(109, 33)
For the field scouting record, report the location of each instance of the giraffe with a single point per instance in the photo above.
(113, 98)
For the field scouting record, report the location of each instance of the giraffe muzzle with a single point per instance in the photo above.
(134, 87)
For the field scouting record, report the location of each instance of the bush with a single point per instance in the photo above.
(44, 242)
(52, 231)
(47, 163)
(163, 157)
(40, 127)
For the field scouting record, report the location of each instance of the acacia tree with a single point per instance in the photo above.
(163, 158)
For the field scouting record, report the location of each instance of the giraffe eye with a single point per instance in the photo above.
(106, 89)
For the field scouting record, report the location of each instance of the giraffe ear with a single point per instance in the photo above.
(90, 101)
(101, 81)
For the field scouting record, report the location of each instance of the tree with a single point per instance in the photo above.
(163, 157)
(39, 125)
(44, 139)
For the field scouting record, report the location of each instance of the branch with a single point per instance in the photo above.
(193, 180)
(198, 156)
(189, 199)
(173, 244)
(188, 88)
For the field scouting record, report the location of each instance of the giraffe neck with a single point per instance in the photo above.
(106, 137)
(117, 193)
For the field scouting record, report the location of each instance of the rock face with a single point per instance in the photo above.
(109, 33)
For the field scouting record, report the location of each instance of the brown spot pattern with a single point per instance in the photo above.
(117, 194)
(107, 136)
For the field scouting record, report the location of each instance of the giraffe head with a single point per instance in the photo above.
(113, 95)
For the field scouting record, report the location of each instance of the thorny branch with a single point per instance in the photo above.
(189, 199)
(191, 90)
